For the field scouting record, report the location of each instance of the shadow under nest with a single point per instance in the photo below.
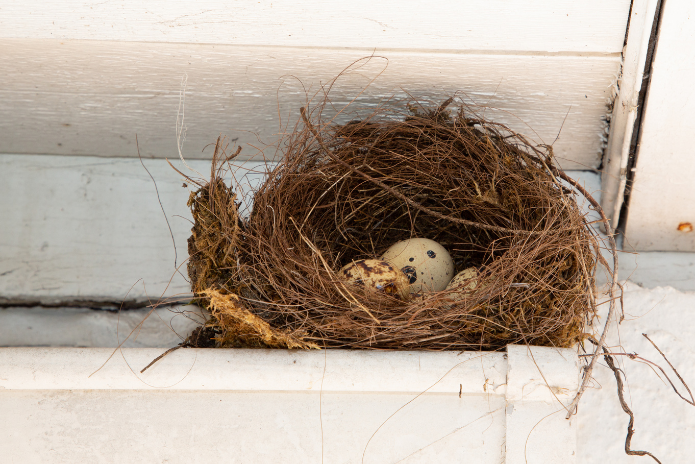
(339, 193)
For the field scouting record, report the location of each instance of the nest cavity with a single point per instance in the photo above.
(343, 192)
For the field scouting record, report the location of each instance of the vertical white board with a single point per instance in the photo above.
(661, 209)
(625, 107)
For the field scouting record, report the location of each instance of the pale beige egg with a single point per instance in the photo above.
(376, 275)
(427, 264)
(464, 282)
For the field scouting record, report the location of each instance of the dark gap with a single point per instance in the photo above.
(103, 305)
(635, 137)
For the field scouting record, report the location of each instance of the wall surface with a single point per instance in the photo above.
(593, 26)
(93, 97)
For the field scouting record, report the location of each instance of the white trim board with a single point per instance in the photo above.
(625, 107)
(662, 194)
(658, 269)
(80, 227)
(165, 327)
(289, 406)
(492, 25)
(90, 228)
(260, 370)
(93, 97)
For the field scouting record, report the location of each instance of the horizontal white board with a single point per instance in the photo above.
(166, 426)
(546, 25)
(164, 327)
(288, 406)
(658, 269)
(89, 228)
(92, 98)
(347, 371)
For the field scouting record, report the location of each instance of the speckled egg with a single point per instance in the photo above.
(465, 282)
(377, 275)
(426, 263)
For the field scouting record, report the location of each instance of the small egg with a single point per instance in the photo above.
(426, 263)
(465, 281)
(377, 275)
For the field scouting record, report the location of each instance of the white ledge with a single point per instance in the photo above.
(482, 373)
(287, 406)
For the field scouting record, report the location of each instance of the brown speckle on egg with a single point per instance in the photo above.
(376, 275)
(464, 282)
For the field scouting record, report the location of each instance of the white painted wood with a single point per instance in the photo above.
(83, 327)
(541, 434)
(92, 98)
(343, 371)
(591, 26)
(561, 374)
(658, 269)
(282, 406)
(91, 228)
(667, 430)
(625, 107)
(175, 427)
(649, 269)
(541, 383)
(662, 195)
(80, 227)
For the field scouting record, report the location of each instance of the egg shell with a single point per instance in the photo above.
(466, 281)
(376, 275)
(427, 264)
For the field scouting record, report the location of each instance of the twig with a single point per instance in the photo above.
(180, 126)
(635, 356)
(328, 269)
(612, 292)
(444, 105)
(624, 406)
(675, 371)
(180, 345)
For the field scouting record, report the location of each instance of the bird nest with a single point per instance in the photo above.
(345, 192)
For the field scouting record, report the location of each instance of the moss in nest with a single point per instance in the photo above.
(212, 259)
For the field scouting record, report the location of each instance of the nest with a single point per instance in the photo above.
(344, 192)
